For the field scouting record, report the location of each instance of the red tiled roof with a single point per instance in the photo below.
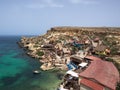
(103, 72)
(93, 57)
(91, 84)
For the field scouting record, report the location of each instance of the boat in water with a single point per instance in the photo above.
(36, 72)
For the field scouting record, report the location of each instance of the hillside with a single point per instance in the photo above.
(110, 37)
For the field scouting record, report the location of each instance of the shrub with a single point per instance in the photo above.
(40, 53)
(118, 86)
(114, 50)
(109, 59)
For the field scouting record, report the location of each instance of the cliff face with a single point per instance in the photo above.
(85, 30)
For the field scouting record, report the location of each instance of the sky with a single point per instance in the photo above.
(35, 17)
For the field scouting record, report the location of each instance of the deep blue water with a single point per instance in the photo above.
(16, 69)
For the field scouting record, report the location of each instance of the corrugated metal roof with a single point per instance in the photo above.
(103, 72)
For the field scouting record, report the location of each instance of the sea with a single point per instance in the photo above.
(16, 68)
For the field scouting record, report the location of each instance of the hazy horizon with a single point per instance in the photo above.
(35, 17)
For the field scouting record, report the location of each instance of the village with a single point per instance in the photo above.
(90, 56)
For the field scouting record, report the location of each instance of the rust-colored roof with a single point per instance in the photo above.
(91, 84)
(103, 72)
(91, 57)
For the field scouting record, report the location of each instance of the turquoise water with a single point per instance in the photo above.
(16, 69)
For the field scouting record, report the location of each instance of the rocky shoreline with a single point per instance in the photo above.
(55, 48)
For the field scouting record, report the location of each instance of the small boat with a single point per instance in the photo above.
(36, 72)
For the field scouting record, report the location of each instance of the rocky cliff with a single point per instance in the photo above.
(83, 30)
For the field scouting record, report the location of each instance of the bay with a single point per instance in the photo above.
(16, 69)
